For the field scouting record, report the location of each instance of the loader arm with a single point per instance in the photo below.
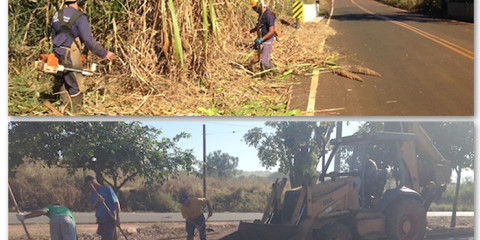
(426, 177)
(439, 167)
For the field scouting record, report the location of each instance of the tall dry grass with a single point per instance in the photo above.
(174, 58)
(35, 186)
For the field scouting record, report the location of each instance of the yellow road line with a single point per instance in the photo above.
(467, 53)
(454, 47)
(313, 93)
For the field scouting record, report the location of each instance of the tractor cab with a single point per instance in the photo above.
(371, 174)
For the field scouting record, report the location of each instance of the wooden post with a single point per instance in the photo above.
(337, 154)
(18, 210)
(204, 162)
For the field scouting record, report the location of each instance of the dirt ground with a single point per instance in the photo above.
(175, 230)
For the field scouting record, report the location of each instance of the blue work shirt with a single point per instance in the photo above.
(81, 28)
(110, 199)
(266, 20)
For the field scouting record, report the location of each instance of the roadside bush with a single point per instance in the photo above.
(466, 198)
(36, 186)
(240, 200)
(148, 198)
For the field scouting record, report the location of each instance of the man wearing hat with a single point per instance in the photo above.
(105, 218)
(266, 32)
(192, 211)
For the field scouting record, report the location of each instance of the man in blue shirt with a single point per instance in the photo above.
(106, 222)
(266, 29)
(70, 28)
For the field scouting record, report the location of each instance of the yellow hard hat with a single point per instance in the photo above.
(254, 3)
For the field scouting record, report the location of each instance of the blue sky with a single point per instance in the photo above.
(226, 136)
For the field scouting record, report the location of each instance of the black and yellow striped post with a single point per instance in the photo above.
(298, 12)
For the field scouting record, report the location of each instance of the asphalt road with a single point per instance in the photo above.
(426, 64)
(128, 217)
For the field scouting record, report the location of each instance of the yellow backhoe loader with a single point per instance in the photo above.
(363, 202)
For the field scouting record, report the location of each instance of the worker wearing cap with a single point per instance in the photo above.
(62, 223)
(106, 222)
(192, 211)
(266, 26)
(70, 28)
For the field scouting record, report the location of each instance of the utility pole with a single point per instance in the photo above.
(337, 154)
(204, 162)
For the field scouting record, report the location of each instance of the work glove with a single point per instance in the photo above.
(258, 42)
(21, 217)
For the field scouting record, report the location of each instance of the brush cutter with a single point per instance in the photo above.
(50, 64)
(109, 212)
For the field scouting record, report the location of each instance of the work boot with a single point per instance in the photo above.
(64, 96)
(76, 102)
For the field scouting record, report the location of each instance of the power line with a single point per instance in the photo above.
(229, 132)
(235, 125)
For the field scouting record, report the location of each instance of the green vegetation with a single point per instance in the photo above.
(221, 164)
(294, 146)
(437, 7)
(117, 151)
(465, 199)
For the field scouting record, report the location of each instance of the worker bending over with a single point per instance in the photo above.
(62, 223)
(192, 211)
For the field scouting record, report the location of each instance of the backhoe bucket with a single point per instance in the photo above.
(259, 231)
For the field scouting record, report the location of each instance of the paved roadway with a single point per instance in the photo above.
(426, 63)
(129, 217)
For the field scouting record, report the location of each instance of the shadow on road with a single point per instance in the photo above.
(398, 16)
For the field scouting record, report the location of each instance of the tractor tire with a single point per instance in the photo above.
(334, 231)
(406, 219)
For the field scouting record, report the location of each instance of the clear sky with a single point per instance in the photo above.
(226, 136)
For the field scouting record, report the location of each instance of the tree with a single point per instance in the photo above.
(381, 152)
(455, 140)
(118, 152)
(221, 164)
(295, 147)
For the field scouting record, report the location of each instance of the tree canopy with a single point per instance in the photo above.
(454, 140)
(120, 151)
(221, 164)
(295, 147)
